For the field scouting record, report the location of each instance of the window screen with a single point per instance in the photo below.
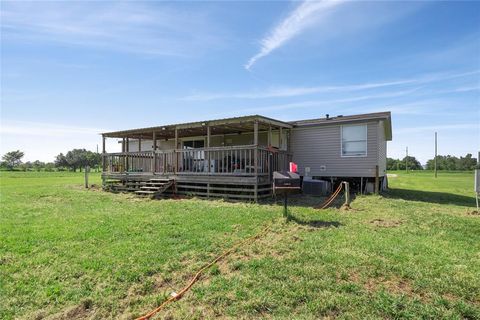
(193, 144)
(354, 140)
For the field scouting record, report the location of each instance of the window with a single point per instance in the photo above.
(354, 141)
(193, 144)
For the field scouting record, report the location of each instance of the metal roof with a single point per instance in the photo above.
(218, 126)
(244, 124)
(386, 116)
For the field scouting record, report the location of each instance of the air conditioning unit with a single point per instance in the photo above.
(316, 187)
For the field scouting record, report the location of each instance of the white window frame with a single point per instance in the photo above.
(366, 141)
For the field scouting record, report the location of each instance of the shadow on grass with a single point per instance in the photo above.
(309, 201)
(430, 196)
(314, 223)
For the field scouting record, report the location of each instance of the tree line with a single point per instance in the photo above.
(448, 162)
(80, 158)
(72, 160)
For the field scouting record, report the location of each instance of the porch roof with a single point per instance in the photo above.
(199, 128)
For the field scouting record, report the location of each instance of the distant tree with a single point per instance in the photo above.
(392, 164)
(25, 166)
(451, 163)
(61, 161)
(93, 159)
(13, 159)
(467, 162)
(77, 158)
(38, 165)
(49, 166)
(412, 162)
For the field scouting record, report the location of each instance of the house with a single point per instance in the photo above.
(236, 157)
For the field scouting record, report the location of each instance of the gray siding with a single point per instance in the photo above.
(318, 146)
(382, 149)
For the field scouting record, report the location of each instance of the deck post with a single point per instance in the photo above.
(175, 150)
(208, 148)
(127, 150)
(255, 158)
(208, 159)
(123, 157)
(280, 138)
(154, 167)
(377, 180)
(104, 161)
(269, 136)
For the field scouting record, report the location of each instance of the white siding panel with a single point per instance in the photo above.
(320, 146)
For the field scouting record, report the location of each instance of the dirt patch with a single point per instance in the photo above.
(474, 213)
(81, 311)
(393, 285)
(382, 223)
(392, 175)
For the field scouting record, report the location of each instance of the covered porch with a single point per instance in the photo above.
(231, 150)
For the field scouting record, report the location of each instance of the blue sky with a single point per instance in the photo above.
(72, 70)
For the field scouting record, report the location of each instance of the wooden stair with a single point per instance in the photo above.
(154, 187)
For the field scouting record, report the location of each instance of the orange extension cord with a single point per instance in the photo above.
(197, 275)
(195, 278)
(327, 202)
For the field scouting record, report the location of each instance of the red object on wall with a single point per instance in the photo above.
(293, 167)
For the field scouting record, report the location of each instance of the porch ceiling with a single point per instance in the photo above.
(221, 126)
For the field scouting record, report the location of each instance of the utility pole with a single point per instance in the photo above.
(435, 154)
(406, 159)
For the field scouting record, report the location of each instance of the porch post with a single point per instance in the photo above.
(104, 162)
(255, 157)
(208, 148)
(154, 167)
(176, 153)
(123, 157)
(208, 159)
(269, 136)
(127, 150)
(280, 138)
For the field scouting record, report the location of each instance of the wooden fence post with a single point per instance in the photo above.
(87, 169)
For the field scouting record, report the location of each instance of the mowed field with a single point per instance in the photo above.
(67, 253)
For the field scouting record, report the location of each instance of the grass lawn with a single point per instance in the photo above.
(67, 252)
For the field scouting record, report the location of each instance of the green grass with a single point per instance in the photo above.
(74, 253)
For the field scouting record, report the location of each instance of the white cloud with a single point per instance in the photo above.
(302, 17)
(118, 26)
(282, 92)
(331, 103)
(444, 127)
(43, 141)
(45, 129)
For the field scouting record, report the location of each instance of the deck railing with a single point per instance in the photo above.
(237, 160)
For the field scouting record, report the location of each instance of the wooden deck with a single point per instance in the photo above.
(239, 172)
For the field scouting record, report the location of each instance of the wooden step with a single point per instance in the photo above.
(150, 188)
(145, 192)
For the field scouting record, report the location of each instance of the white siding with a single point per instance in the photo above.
(319, 147)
